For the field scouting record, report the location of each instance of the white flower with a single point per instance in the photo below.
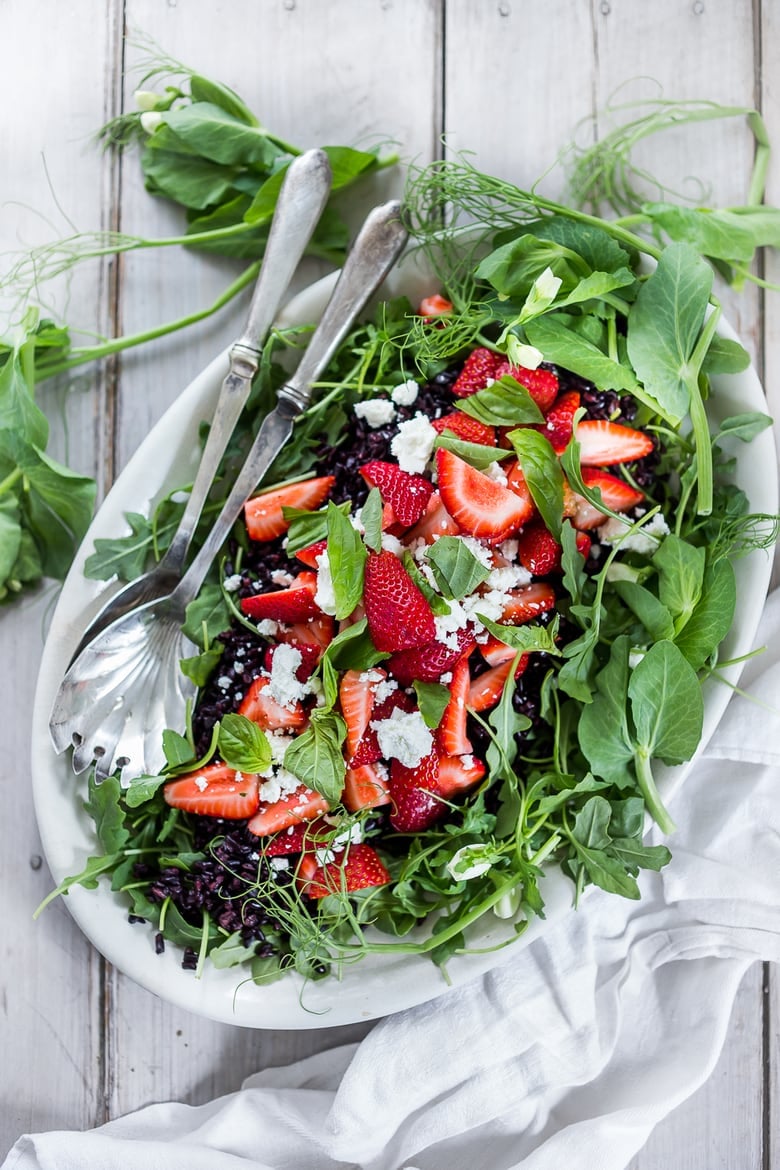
(146, 99)
(547, 284)
(151, 120)
(471, 861)
(527, 356)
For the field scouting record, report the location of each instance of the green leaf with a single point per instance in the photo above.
(543, 475)
(506, 723)
(316, 756)
(504, 403)
(18, 411)
(172, 169)
(475, 454)
(666, 704)
(607, 872)
(206, 616)
(603, 731)
(744, 426)
(572, 563)
(103, 804)
(176, 748)
(213, 133)
(347, 557)
(346, 166)
(231, 952)
(457, 571)
(720, 234)
(527, 637)
(432, 699)
(596, 286)
(371, 519)
(725, 356)
(711, 619)
(653, 615)
(565, 348)
(437, 603)
(121, 556)
(205, 90)
(199, 667)
(243, 744)
(597, 248)
(352, 649)
(664, 325)
(631, 852)
(680, 569)
(10, 536)
(513, 267)
(308, 527)
(143, 788)
(592, 822)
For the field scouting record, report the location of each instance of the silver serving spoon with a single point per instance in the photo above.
(301, 202)
(125, 688)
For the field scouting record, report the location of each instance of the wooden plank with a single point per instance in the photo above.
(309, 96)
(49, 975)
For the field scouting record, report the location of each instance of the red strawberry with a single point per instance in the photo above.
(457, 774)
(538, 550)
(301, 805)
(471, 430)
(414, 794)
(368, 750)
(214, 791)
(263, 514)
(294, 604)
(486, 690)
(616, 494)
(604, 442)
(358, 868)
(406, 494)
(434, 306)
(356, 696)
(428, 663)
(398, 615)
(309, 554)
(451, 733)
(264, 710)
(524, 605)
(476, 502)
(435, 522)
(515, 481)
(583, 545)
(541, 384)
(365, 787)
(298, 837)
(317, 631)
(310, 656)
(478, 368)
(557, 426)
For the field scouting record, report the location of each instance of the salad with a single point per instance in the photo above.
(473, 606)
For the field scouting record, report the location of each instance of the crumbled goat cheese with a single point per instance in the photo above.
(352, 835)
(496, 472)
(325, 597)
(508, 577)
(282, 577)
(231, 584)
(644, 541)
(281, 784)
(413, 444)
(201, 783)
(384, 690)
(392, 544)
(446, 677)
(509, 549)
(356, 520)
(268, 628)
(478, 550)
(404, 737)
(448, 624)
(223, 682)
(492, 604)
(278, 864)
(406, 393)
(283, 685)
(377, 412)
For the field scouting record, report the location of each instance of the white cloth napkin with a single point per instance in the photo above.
(566, 1056)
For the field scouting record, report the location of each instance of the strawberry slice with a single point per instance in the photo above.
(486, 690)
(365, 787)
(603, 443)
(477, 503)
(434, 306)
(359, 868)
(414, 792)
(304, 835)
(435, 522)
(451, 732)
(558, 425)
(398, 615)
(524, 605)
(478, 368)
(317, 632)
(457, 774)
(515, 481)
(471, 430)
(541, 384)
(310, 656)
(309, 554)
(214, 791)
(428, 663)
(616, 493)
(368, 750)
(263, 514)
(538, 550)
(294, 604)
(356, 696)
(406, 494)
(301, 805)
(264, 710)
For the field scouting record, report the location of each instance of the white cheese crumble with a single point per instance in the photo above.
(282, 577)
(644, 541)
(478, 550)
(404, 737)
(231, 584)
(406, 393)
(413, 444)
(377, 412)
(509, 549)
(448, 624)
(508, 577)
(392, 544)
(352, 835)
(384, 690)
(325, 596)
(268, 628)
(201, 783)
(281, 784)
(496, 472)
(283, 685)
(279, 863)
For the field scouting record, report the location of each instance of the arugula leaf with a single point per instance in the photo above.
(316, 756)
(744, 426)
(592, 822)
(542, 471)
(143, 788)
(243, 744)
(432, 699)
(502, 404)
(206, 616)
(121, 556)
(506, 723)
(633, 853)
(104, 805)
(199, 667)
(176, 748)
(347, 557)
(572, 563)
(457, 571)
(371, 519)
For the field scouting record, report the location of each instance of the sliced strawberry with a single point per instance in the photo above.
(301, 805)
(428, 663)
(486, 690)
(603, 443)
(458, 774)
(496, 652)
(214, 791)
(414, 792)
(524, 605)
(309, 554)
(310, 656)
(294, 604)
(478, 368)
(435, 522)
(583, 545)
(434, 306)
(398, 615)
(515, 481)
(368, 750)
(557, 427)
(471, 430)
(317, 631)
(263, 514)
(365, 787)
(477, 503)
(356, 696)
(541, 384)
(538, 550)
(298, 837)
(616, 494)
(406, 494)
(264, 710)
(451, 732)
(358, 868)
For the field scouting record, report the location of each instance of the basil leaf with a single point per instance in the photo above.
(457, 571)
(476, 454)
(243, 744)
(432, 699)
(347, 556)
(542, 471)
(206, 616)
(371, 519)
(308, 527)
(352, 649)
(176, 748)
(316, 756)
(666, 704)
(435, 600)
(502, 404)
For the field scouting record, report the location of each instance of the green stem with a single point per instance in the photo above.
(652, 797)
(9, 481)
(758, 178)
(701, 430)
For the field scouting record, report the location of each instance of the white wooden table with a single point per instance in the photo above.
(506, 79)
